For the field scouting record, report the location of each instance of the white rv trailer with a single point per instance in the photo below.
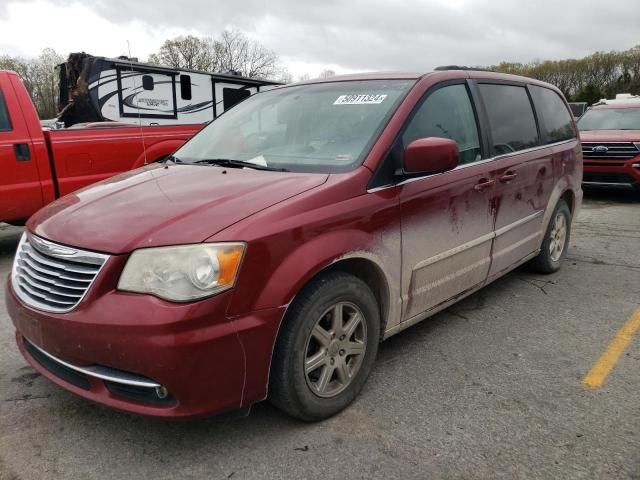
(94, 89)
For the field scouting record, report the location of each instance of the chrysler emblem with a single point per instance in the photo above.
(49, 248)
(600, 149)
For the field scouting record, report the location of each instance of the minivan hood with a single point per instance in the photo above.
(158, 206)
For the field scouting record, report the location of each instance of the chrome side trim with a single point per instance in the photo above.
(460, 248)
(477, 241)
(421, 316)
(608, 184)
(379, 189)
(522, 221)
(103, 373)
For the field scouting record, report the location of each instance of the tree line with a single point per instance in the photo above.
(588, 79)
(40, 78)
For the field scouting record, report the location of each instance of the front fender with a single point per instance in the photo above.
(315, 255)
(289, 278)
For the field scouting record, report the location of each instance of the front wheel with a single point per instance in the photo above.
(326, 347)
(556, 241)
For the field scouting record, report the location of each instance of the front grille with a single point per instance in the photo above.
(609, 150)
(53, 277)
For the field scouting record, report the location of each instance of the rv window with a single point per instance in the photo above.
(231, 96)
(147, 82)
(185, 87)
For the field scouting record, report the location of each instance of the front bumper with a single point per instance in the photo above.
(616, 174)
(192, 350)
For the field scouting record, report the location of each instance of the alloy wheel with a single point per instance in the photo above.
(558, 237)
(335, 349)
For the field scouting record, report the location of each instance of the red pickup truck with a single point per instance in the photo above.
(37, 166)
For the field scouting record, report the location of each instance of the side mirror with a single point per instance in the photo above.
(431, 155)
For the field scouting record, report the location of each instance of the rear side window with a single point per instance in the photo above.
(185, 87)
(513, 125)
(557, 122)
(447, 113)
(5, 122)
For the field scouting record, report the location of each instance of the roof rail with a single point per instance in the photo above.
(459, 67)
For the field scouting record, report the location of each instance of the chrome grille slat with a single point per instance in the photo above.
(52, 289)
(615, 150)
(44, 296)
(40, 269)
(49, 280)
(53, 277)
(33, 253)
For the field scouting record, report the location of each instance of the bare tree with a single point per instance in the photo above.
(246, 57)
(189, 53)
(326, 73)
(285, 76)
(40, 78)
(233, 52)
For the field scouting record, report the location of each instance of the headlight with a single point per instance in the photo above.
(184, 273)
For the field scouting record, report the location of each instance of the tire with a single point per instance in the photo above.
(549, 261)
(309, 338)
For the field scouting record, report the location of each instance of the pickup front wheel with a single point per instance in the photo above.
(326, 347)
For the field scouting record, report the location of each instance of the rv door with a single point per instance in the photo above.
(146, 94)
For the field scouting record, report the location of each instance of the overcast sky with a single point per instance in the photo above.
(346, 36)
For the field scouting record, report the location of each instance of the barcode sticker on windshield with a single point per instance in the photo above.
(355, 99)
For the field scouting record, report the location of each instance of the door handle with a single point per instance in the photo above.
(482, 185)
(22, 152)
(508, 176)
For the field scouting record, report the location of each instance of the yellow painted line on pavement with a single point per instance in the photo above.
(598, 373)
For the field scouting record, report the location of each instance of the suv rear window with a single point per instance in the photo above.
(5, 122)
(557, 123)
(513, 125)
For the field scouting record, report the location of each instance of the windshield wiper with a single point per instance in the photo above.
(172, 158)
(226, 162)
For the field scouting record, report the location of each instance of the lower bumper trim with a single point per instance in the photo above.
(103, 373)
(608, 184)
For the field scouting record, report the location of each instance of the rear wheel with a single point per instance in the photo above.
(555, 242)
(326, 347)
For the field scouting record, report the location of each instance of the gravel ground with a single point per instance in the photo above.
(489, 389)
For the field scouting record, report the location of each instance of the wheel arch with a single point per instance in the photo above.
(569, 197)
(363, 267)
(562, 191)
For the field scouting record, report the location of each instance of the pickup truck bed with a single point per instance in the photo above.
(37, 166)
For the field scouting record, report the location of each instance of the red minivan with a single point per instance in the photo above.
(269, 256)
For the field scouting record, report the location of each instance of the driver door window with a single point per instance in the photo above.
(447, 113)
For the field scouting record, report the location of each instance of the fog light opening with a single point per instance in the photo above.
(162, 392)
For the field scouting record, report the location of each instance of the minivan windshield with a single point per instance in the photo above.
(611, 119)
(322, 127)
